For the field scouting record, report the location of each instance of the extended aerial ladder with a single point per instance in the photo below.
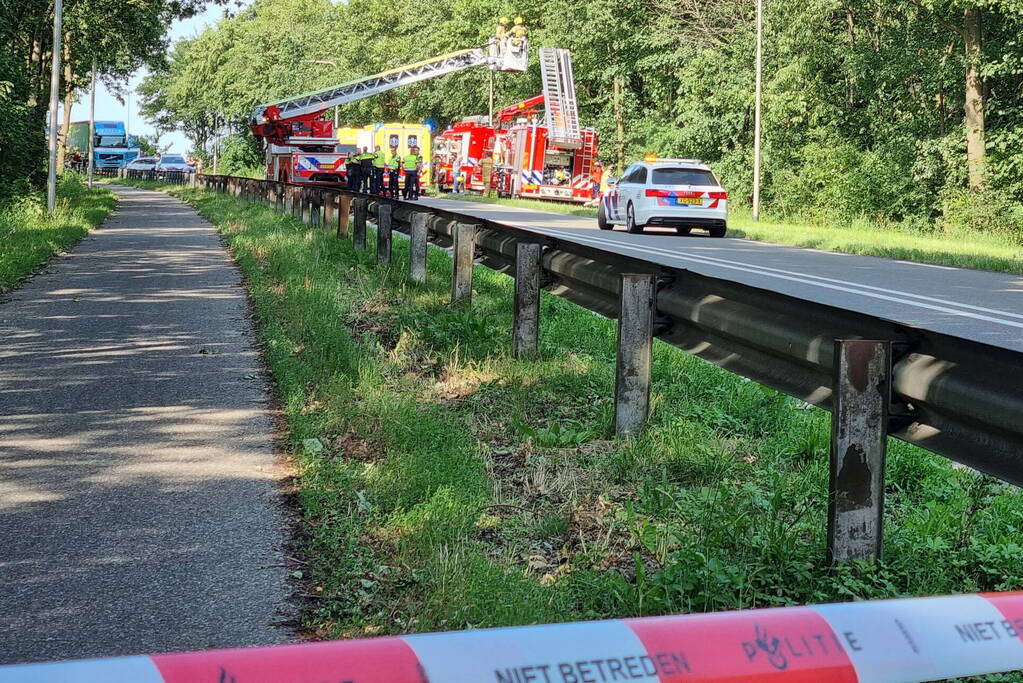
(558, 100)
(271, 120)
(559, 92)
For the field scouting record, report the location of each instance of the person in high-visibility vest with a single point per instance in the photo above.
(353, 172)
(379, 163)
(393, 171)
(411, 164)
(487, 172)
(596, 175)
(365, 159)
(519, 29)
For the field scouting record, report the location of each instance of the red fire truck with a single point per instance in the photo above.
(459, 149)
(543, 158)
(535, 164)
(306, 153)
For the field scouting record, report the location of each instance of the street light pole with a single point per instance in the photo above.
(51, 181)
(756, 114)
(92, 124)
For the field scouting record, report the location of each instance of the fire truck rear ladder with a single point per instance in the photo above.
(559, 91)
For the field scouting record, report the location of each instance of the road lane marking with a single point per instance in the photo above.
(806, 278)
(800, 278)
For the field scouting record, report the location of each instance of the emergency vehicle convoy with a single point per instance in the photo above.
(303, 148)
(552, 158)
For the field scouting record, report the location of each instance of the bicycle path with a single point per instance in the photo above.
(139, 488)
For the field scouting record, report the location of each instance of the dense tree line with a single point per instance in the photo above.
(897, 110)
(118, 35)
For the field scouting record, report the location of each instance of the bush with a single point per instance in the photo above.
(990, 211)
(241, 156)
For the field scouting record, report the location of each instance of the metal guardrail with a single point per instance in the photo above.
(921, 639)
(172, 177)
(952, 396)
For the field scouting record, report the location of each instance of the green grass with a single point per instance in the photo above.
(29, 238)
(965, 249)
(460, 487)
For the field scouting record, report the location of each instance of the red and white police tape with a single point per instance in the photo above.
(918, 639)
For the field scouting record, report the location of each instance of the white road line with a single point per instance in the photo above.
(792, 276)
(843, 285)
(847, 283)
(927, 265)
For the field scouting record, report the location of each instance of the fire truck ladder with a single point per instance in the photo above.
(320, 100)
(559, 91)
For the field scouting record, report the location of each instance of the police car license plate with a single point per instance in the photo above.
(686, 201)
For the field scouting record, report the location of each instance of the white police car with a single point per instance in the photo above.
(679, 193)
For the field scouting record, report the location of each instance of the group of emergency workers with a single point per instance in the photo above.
(366, 172)
(517, 31)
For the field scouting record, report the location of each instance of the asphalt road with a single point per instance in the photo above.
(978, 305)
(139, 505)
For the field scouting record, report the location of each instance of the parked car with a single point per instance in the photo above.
(173, 162)
(680, 193)
(142, 164)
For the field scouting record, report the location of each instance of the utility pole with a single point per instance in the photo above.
(491, 81)
(51, 181)
(216, 142)
(92, 124)
(756, 111)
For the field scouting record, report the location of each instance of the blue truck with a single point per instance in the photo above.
(114, 148)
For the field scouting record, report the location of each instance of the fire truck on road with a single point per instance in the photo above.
(302, 148)
(548, 158)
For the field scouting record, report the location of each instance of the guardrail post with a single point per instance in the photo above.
(464, 238)
(344, 211)
(359, 238)
(384, 227)
(328, 199)
(526, 324)
(278, 196)
(635, 349)
(307, 206)
(859, 435)
(315, 201)
(417, 247)
(296, 202)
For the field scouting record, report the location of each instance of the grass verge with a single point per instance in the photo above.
(965, 249)
(448, 485)
(29, 238)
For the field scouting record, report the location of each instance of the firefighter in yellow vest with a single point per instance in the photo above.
(393, 171)
(502, 29)
(519, 29)
(411, 165)
(487, 171)
(379, 163)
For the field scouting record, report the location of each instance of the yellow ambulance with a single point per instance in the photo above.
(401, 135)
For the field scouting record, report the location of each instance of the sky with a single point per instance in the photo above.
(109, 109)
